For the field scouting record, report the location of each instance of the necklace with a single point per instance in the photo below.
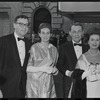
(93, 54)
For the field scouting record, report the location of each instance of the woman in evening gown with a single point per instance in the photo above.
(42, 66)
(87, 72)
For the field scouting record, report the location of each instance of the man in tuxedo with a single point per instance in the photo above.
(14, 55)
(68, 55)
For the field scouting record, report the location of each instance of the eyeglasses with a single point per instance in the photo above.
(22, 24)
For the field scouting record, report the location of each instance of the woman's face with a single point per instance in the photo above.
(94, 41)
(45, 34)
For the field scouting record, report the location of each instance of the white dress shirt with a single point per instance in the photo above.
(78, 49)
(21, 48)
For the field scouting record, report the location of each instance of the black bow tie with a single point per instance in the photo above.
(23, 39)
(77, 44)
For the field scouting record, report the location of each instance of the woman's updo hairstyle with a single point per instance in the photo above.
(91, 31)
(41, 26)
(44, 25)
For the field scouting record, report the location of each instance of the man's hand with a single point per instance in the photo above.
(70, 73)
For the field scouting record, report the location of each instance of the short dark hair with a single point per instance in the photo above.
(20, 16)
(91, 31)
(76, 24)
(44, 25)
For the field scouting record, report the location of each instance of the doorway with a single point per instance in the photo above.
(40, 15)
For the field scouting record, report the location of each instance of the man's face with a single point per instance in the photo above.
(21, 27)
(76, 33)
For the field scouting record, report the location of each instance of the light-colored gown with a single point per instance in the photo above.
(92, 81)
(41, 84)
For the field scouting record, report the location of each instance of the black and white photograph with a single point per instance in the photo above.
(49, 49)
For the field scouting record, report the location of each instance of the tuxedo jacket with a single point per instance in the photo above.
(67, 58)
(10, 67)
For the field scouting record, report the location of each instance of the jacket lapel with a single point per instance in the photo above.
(27, 47)
(71, 54)
(15, 49)
(71, 50)
(84, 48)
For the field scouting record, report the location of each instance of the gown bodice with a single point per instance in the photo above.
(93, 80)
(41, 84)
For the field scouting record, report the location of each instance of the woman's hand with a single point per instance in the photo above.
(50, 69)
(55, 71)
(47, 69)
(93, 70)
(88, 72)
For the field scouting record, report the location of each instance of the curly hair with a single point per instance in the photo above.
(44, 25)
(20, 16)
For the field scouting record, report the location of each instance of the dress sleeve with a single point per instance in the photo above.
(31, 58)
(56, 56)
(55, 60)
